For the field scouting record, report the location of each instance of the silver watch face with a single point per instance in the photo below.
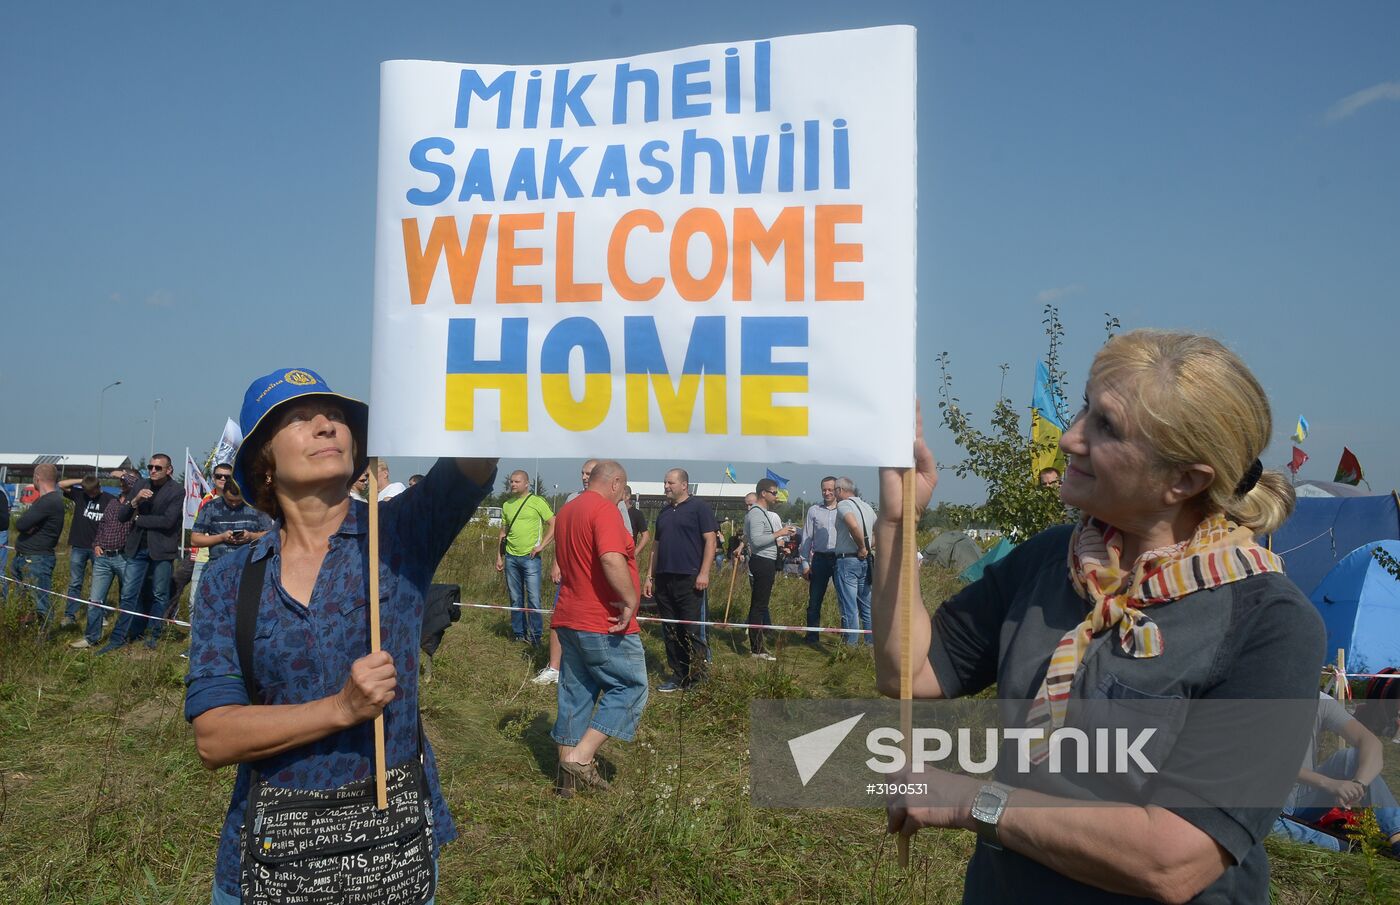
(987, 806)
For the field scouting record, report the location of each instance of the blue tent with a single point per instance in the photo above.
(974, 571)
(1322, 531)
(1360, 605)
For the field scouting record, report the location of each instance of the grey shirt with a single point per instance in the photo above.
(1331, 717)
(1258, 638)
(40, 525)
(865, 520)
(760, 527)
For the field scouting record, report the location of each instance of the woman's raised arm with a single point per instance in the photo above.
(889, 556)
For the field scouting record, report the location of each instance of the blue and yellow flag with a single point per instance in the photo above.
(1300, 433)
(782, 483)
(1046, 424)
(730, 474)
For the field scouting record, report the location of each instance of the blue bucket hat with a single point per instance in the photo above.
(269, 392)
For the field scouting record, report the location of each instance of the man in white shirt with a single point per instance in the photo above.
(818, 552)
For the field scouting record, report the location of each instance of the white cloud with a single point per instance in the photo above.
(1059, 292)
(116, 298)
(161, 298)
(1352, 103)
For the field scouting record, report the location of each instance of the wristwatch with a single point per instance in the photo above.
(987, 807)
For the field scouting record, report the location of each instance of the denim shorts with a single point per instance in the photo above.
(602, 685)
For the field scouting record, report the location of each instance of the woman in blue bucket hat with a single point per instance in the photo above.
(317, 686)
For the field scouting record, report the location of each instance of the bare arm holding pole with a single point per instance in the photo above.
(888, 630)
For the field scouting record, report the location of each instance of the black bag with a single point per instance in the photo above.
(441, 608)
(334, 846)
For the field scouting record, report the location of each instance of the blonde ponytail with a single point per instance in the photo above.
(1197, 404)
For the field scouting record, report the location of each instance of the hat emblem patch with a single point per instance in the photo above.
(298, 378)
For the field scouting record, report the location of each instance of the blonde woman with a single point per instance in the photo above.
(1164, 574)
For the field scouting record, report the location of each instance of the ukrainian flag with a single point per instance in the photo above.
(782, 483)
(1300, 433)
(1046, 424)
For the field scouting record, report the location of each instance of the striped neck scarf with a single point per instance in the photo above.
(1220, 552)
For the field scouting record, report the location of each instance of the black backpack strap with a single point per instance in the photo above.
(864, 528)
(517, 512)
(245, 624)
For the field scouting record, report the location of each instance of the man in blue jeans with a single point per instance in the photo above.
(1349, 778)
(37, 533)
(527, 527)
(156, 513)
(90, 501)
(854, 522)
(603, 670)
(108, 562)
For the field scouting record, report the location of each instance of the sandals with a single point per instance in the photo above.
(585, 775)
(564, 784)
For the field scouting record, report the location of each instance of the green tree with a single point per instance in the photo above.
(793, 511)
(1387, 561)
(1001, 456)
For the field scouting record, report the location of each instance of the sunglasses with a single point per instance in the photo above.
(222, 477)
(155, 468)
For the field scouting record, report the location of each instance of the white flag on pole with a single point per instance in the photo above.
(228, 444)
(195, 489)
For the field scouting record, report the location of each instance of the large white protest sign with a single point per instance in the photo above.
(705, 253)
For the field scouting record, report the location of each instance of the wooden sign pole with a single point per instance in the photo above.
(380, 790)
(733, 570)
(904, 614)
(1342, 686)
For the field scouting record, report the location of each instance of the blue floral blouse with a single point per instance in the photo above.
(303, 653)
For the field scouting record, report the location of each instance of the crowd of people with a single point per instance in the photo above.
(599, 536)
(132, 539)
(1161, 567)
(687, 545)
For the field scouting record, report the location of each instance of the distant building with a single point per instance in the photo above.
(18, 468)
(726, 499)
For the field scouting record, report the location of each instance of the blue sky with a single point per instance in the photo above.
(187, 196)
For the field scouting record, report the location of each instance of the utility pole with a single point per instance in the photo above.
(101, 398)
(153, 430)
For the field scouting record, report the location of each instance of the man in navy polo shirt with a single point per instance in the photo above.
(682, 549)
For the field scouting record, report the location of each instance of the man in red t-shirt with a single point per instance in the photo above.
(602, 670)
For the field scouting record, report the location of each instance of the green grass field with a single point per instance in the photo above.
(102, 798)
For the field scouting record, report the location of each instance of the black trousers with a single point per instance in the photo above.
(676, 598)
(180, 575)
(761, 574)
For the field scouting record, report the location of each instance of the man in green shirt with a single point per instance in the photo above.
(527, 527)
